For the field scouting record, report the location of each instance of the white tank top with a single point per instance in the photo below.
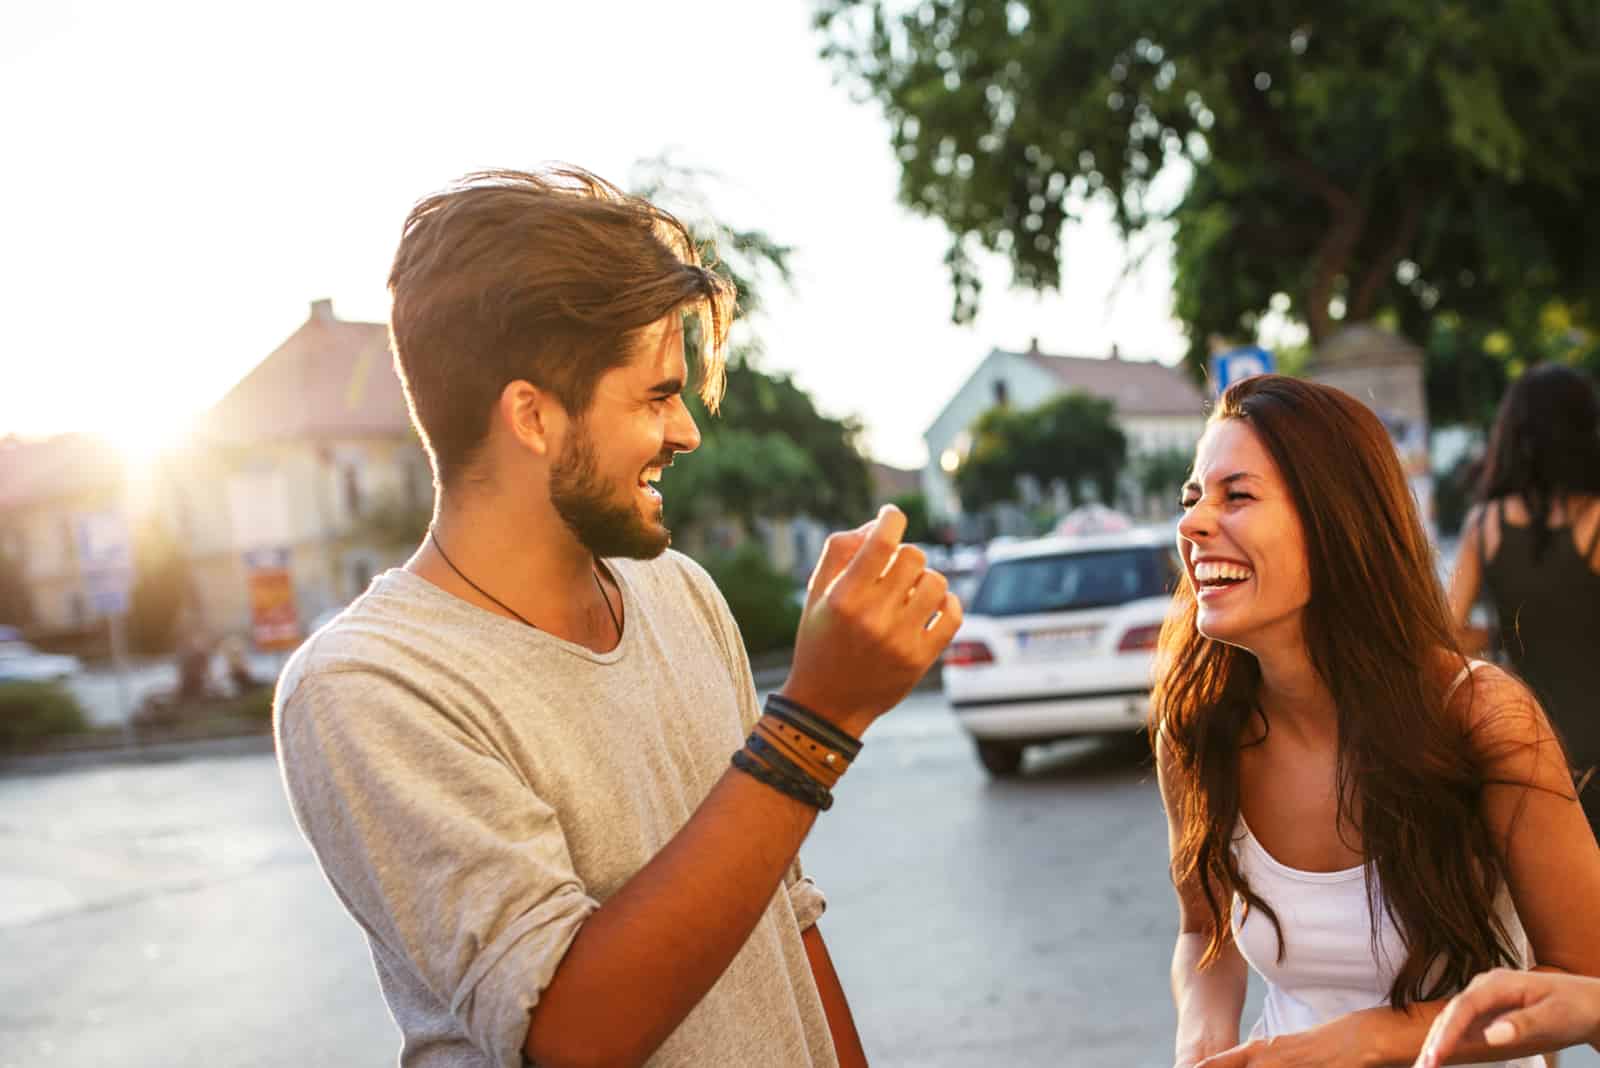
(1329, 965)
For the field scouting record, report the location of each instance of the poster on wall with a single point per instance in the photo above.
(274, 621)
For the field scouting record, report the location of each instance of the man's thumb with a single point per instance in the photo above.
(837, 553)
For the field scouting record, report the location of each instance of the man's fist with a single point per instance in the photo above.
(875, 620)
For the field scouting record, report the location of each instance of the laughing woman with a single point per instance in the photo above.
(1355, 811)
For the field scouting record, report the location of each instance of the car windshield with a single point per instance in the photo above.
(1075, 580)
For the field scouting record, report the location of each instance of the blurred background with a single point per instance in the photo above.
(996, 258)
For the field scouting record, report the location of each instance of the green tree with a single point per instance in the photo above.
(768, 452)
(1072, 439)
(16, 605)
(1398, 158)
(162, 587)
(919, 520)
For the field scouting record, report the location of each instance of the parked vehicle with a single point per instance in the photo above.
(21, 662)
(1059, 641)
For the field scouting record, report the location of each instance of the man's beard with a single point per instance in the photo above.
(586, 504)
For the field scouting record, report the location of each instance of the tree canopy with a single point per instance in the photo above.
(1072, 439)
(1416, 160)
(768, 452)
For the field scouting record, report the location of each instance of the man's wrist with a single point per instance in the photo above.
(852, 722)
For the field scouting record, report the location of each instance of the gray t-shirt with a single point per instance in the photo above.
(474, 788)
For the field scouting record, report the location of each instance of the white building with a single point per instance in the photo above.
(1157, 407)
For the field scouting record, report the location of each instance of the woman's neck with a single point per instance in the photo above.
(1293, 694)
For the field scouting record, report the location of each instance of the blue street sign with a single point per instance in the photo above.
(108, 592)
(1236, 365)
(105, 559)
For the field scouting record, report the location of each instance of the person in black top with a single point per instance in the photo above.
(1532, 545)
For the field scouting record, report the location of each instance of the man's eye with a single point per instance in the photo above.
(1236, 496)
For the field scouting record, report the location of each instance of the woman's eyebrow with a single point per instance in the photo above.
(1227, 480)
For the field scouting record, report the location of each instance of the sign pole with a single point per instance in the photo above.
(119, 658)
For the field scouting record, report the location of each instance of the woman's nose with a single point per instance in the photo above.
(1196, 524)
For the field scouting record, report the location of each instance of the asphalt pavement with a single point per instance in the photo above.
(168, 914)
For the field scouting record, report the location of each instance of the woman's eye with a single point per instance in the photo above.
(1188, 502)
(1240, 497)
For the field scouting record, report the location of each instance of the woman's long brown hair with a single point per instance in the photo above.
(1408, 781)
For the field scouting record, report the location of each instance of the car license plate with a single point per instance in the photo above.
(1056, 641)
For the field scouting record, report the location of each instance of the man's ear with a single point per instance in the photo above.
(533, 417)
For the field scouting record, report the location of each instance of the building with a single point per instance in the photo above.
(1157, 407)
(311, 461)
(45, 487)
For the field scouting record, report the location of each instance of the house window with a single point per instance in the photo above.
(1002, 395)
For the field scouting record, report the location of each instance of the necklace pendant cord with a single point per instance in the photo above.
(612, 612)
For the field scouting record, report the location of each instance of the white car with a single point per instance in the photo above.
(21, 662)
(1059, 641)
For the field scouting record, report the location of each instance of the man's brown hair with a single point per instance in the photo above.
(544, 277)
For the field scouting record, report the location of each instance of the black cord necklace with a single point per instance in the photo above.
(615, 622)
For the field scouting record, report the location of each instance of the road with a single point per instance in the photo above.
(169, 914)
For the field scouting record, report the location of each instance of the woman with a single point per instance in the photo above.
(1354, 810)
(1534, 544)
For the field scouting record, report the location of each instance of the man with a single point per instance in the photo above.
(512, 756)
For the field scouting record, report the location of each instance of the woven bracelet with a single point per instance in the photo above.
(807, 791)
(781, 762)
(820, 730)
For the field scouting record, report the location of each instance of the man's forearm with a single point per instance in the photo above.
(649, 954)
(841, 1022)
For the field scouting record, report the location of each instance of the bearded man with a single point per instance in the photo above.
(532, 762)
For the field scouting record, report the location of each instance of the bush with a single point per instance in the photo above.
(761, 597)
(254, 704)
(33, 710)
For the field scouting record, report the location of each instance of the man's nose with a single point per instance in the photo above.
(682, 434)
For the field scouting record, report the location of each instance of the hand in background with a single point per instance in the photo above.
(1543, 1009)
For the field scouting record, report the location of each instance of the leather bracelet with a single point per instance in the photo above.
(803, 719)
(805, 791)
(782, 763)
(820, 763)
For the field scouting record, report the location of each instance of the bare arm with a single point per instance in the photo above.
(842, 1024)
(648, 956)
(643, 960)
(1466, 579)
(1209, 1001)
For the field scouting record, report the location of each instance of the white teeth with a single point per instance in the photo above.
(1214, 571)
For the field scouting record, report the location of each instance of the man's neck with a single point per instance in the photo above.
(486, 552)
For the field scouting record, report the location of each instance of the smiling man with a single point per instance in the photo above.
(532, 762)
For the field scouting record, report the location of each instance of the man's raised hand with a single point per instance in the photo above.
(875, 620)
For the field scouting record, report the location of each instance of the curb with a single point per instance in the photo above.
(138, 753)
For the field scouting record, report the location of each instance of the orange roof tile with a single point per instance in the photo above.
(330, 378)
(1137, 387)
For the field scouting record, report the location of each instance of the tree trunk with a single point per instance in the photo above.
(1332, 259)
(1381, 269)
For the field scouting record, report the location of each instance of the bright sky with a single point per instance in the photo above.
(186, 177)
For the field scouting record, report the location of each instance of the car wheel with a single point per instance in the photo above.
(1000, 759)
